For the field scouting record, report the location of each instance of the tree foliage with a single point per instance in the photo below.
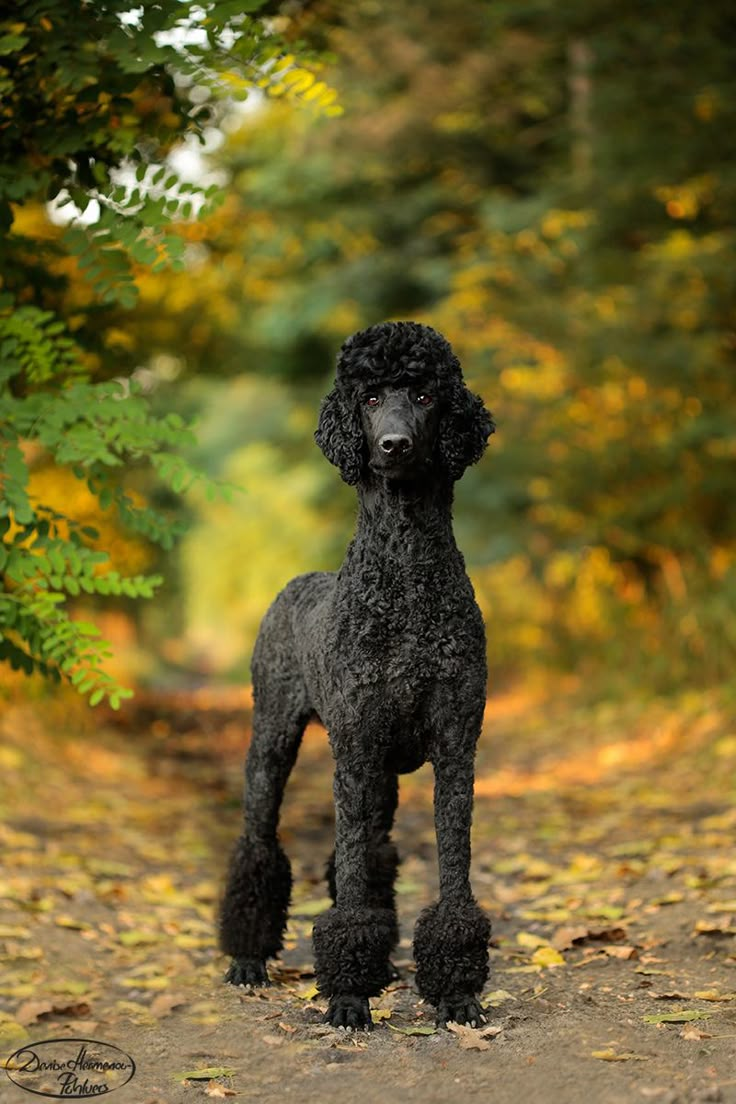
(94, 99)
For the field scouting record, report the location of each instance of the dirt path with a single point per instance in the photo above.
(603, 850)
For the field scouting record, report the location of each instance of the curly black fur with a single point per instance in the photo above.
(451, 952)
(248, 934)
(351, 947)
(390, 653)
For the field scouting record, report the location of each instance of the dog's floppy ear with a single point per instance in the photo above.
(464, 430)
(339, 434)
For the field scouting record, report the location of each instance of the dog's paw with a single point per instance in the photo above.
(349, 1013)
(250, 972)
(460, 1010)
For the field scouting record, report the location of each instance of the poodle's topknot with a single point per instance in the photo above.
(396, 352)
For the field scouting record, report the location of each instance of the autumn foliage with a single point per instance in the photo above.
(551, 188)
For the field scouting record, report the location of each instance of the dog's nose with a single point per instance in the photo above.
(395, 444)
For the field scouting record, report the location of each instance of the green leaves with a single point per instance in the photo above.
(136, 227)
(89, 112)
(47, 558)
(34, 342)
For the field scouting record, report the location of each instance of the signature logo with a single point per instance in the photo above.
(70, 1068)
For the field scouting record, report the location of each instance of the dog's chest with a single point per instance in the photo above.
(404, 629)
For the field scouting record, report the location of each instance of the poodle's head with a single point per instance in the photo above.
(399, 407)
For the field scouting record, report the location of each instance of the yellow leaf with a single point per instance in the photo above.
(12, 931)
(11, 1031)
(527, 939)
(610, 1055)
(548, 957)
(71, 923)
(135, 938)
(312, 908)
(308, 994)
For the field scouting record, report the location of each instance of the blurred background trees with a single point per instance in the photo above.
(553, 187)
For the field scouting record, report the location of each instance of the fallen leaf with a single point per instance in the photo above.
(69, 988)
(620, 951)
(86, 1028)
(528, 939)
(378, 1014)
(81, 1008)
(565, 938)
(11, 1031)
(672, 898)
(138, 938)
(606, 912)
(72, 923)
(308, 993)
(468, 1037)
(30, 1010)
(10, 931)
(547, 957)
(214, 1088)
(714, 995)
(691, 1032)
(164, 1003)
(683, 1016)
(610, 1055)
(206, 1074)
(710, 927)
(145, 983)
(15, 950)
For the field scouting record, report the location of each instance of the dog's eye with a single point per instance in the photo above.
(371, 400)
(424, 399)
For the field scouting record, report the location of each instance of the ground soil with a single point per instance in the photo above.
(603, 851)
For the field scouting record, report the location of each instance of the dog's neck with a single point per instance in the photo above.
(400, 521)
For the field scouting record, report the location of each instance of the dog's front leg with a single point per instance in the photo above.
(353, 941)
(451, 937)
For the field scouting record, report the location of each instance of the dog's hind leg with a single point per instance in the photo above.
(254, 908)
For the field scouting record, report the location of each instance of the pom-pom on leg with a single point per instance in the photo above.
(351, 953)
(451, 953)
(254, 909)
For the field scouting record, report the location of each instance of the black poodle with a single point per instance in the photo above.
(389, 653)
